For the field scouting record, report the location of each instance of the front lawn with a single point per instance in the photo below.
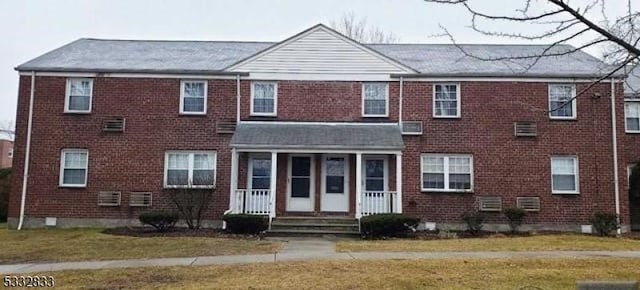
(57, 245)
(390, 274)
(564, 242)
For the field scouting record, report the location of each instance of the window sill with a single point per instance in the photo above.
(375, 116)
(446, 117)
(77, 112)
(190, 187)
(565, 193)
(445, 191)
(263, 115)
(632, 132)
(193, 114)
(562, 119)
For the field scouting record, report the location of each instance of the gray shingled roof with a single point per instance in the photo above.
(144, 56)
(317, 136)
(97, 55)
(632, 85)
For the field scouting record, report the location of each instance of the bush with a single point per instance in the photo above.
(5, 175)
(387, 225)
(515, 217)
(245, 223)
(605, 223)
(475, 221)
(160, 220)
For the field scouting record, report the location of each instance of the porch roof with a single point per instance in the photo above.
(313, 136)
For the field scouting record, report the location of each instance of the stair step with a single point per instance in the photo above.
(314, 220)
(299, 232)
(312, 225)
(320, 227)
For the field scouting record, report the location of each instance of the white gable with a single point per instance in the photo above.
(320, 51)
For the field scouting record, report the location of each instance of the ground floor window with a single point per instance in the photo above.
(442, 172)
(260, 168)
(190, 169)
(73, 167)
(564, 174)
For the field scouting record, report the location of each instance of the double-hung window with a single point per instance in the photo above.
(264, 98)
(562, 102)
(446, 101)
(195, 169)
(564, 175)
(447, 172)
(632, 115)
(73, 167)
(78, 95)
(260, 172)
(375, 100)
(193, 97)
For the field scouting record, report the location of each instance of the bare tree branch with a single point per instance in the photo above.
(357, 29)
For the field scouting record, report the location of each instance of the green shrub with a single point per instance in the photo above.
(605, 223)
(245, 223)
(5, 175)
(515, 217)
(475, 221)
(160, 220)
(387, 225)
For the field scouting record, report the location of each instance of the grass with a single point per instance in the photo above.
(565, 242)
(390, 274)
(57, 245)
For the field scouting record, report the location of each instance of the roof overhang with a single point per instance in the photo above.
(318, 136)
(133, 71)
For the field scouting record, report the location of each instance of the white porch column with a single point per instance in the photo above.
(398, 201)
(272, 187)
(358, 184)
(234, 181)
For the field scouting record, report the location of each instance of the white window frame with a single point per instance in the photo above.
(68, 96)
(386, 100)
(275, 98)
(62, 167)
(206, 96)
(574, 102)
(458, 101)
(252, 157)
(446, 172)
(190, 167)
(630, 101)
(576, 176)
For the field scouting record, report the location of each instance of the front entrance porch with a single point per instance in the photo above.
(316, 184)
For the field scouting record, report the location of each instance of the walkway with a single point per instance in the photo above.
(300, 249)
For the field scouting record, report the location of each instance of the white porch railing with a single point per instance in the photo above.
(373, 202)
(255, 201)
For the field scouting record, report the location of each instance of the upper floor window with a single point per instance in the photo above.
(78, 95)
(192, 169)
(447, 172)
(562, 104)
(73, 167)
(632, 115)
(446, 101)
(264, 98)
(564, 174)
(193, 97)
(375, 100)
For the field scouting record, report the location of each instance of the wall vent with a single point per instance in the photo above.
(490, 203)
(411, 128)
(525, 129)
(529, 203)
(113, 124)
(225, 127)
(109, 198)
(140, 199)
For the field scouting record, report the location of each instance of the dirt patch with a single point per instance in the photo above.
(147, 232)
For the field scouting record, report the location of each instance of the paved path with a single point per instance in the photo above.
(304, 250)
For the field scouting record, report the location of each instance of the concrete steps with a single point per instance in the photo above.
(314, 226)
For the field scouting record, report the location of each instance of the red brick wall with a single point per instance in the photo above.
(5, 147)
(503, 165)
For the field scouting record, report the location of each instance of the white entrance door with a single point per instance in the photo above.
(300, 183)
(335, 183)
(375, 179)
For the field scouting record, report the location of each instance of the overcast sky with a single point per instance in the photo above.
(30, 28)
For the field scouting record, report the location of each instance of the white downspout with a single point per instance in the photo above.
(238, 99)
(614, 135)
(400, 103)
(25, 174)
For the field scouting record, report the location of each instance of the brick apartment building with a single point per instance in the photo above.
(6, 153)
(320, 125)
